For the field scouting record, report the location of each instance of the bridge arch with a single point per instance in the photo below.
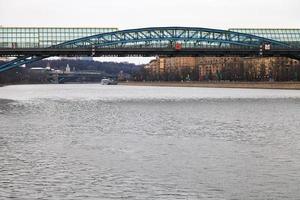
(161, 35)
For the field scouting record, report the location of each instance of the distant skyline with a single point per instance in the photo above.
(125, 14)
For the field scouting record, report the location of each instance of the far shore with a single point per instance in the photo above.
(250, 85)
(293, 85)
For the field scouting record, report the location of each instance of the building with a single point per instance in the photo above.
(179, 68)
(171, 68)
(68, 69)
(224, 68)
(273, 68)
(212, 68)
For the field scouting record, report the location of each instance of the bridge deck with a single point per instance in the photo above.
(288, 52)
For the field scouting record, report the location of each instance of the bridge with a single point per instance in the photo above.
(159, 41)
(77, 77)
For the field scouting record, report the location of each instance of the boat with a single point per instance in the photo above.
(108, 81)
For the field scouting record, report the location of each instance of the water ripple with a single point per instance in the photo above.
(152, 145)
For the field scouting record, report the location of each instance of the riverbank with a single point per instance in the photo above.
(250, 85)
(245, 85)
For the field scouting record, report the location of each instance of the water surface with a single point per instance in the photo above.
(125, 142)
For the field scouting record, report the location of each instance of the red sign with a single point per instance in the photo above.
(178, 46)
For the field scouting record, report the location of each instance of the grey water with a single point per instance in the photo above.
(125, 142)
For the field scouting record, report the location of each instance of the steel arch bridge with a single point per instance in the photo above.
(168, 41)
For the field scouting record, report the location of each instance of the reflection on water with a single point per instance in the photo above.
(120, 142)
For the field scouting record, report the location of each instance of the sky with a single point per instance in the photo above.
(126, 14)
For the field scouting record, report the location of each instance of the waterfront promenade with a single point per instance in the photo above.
(250, 85)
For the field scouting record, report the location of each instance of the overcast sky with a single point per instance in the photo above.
(125, 14)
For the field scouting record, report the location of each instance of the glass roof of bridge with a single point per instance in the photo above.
(46, 36)
(283, 35)
(32, 37)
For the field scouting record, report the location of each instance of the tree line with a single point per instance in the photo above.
(279, 71)
(22, 74)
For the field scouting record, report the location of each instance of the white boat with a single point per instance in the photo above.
(108, 81)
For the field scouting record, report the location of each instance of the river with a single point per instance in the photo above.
(133, 142)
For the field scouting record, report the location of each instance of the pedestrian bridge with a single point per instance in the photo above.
(159, 41)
